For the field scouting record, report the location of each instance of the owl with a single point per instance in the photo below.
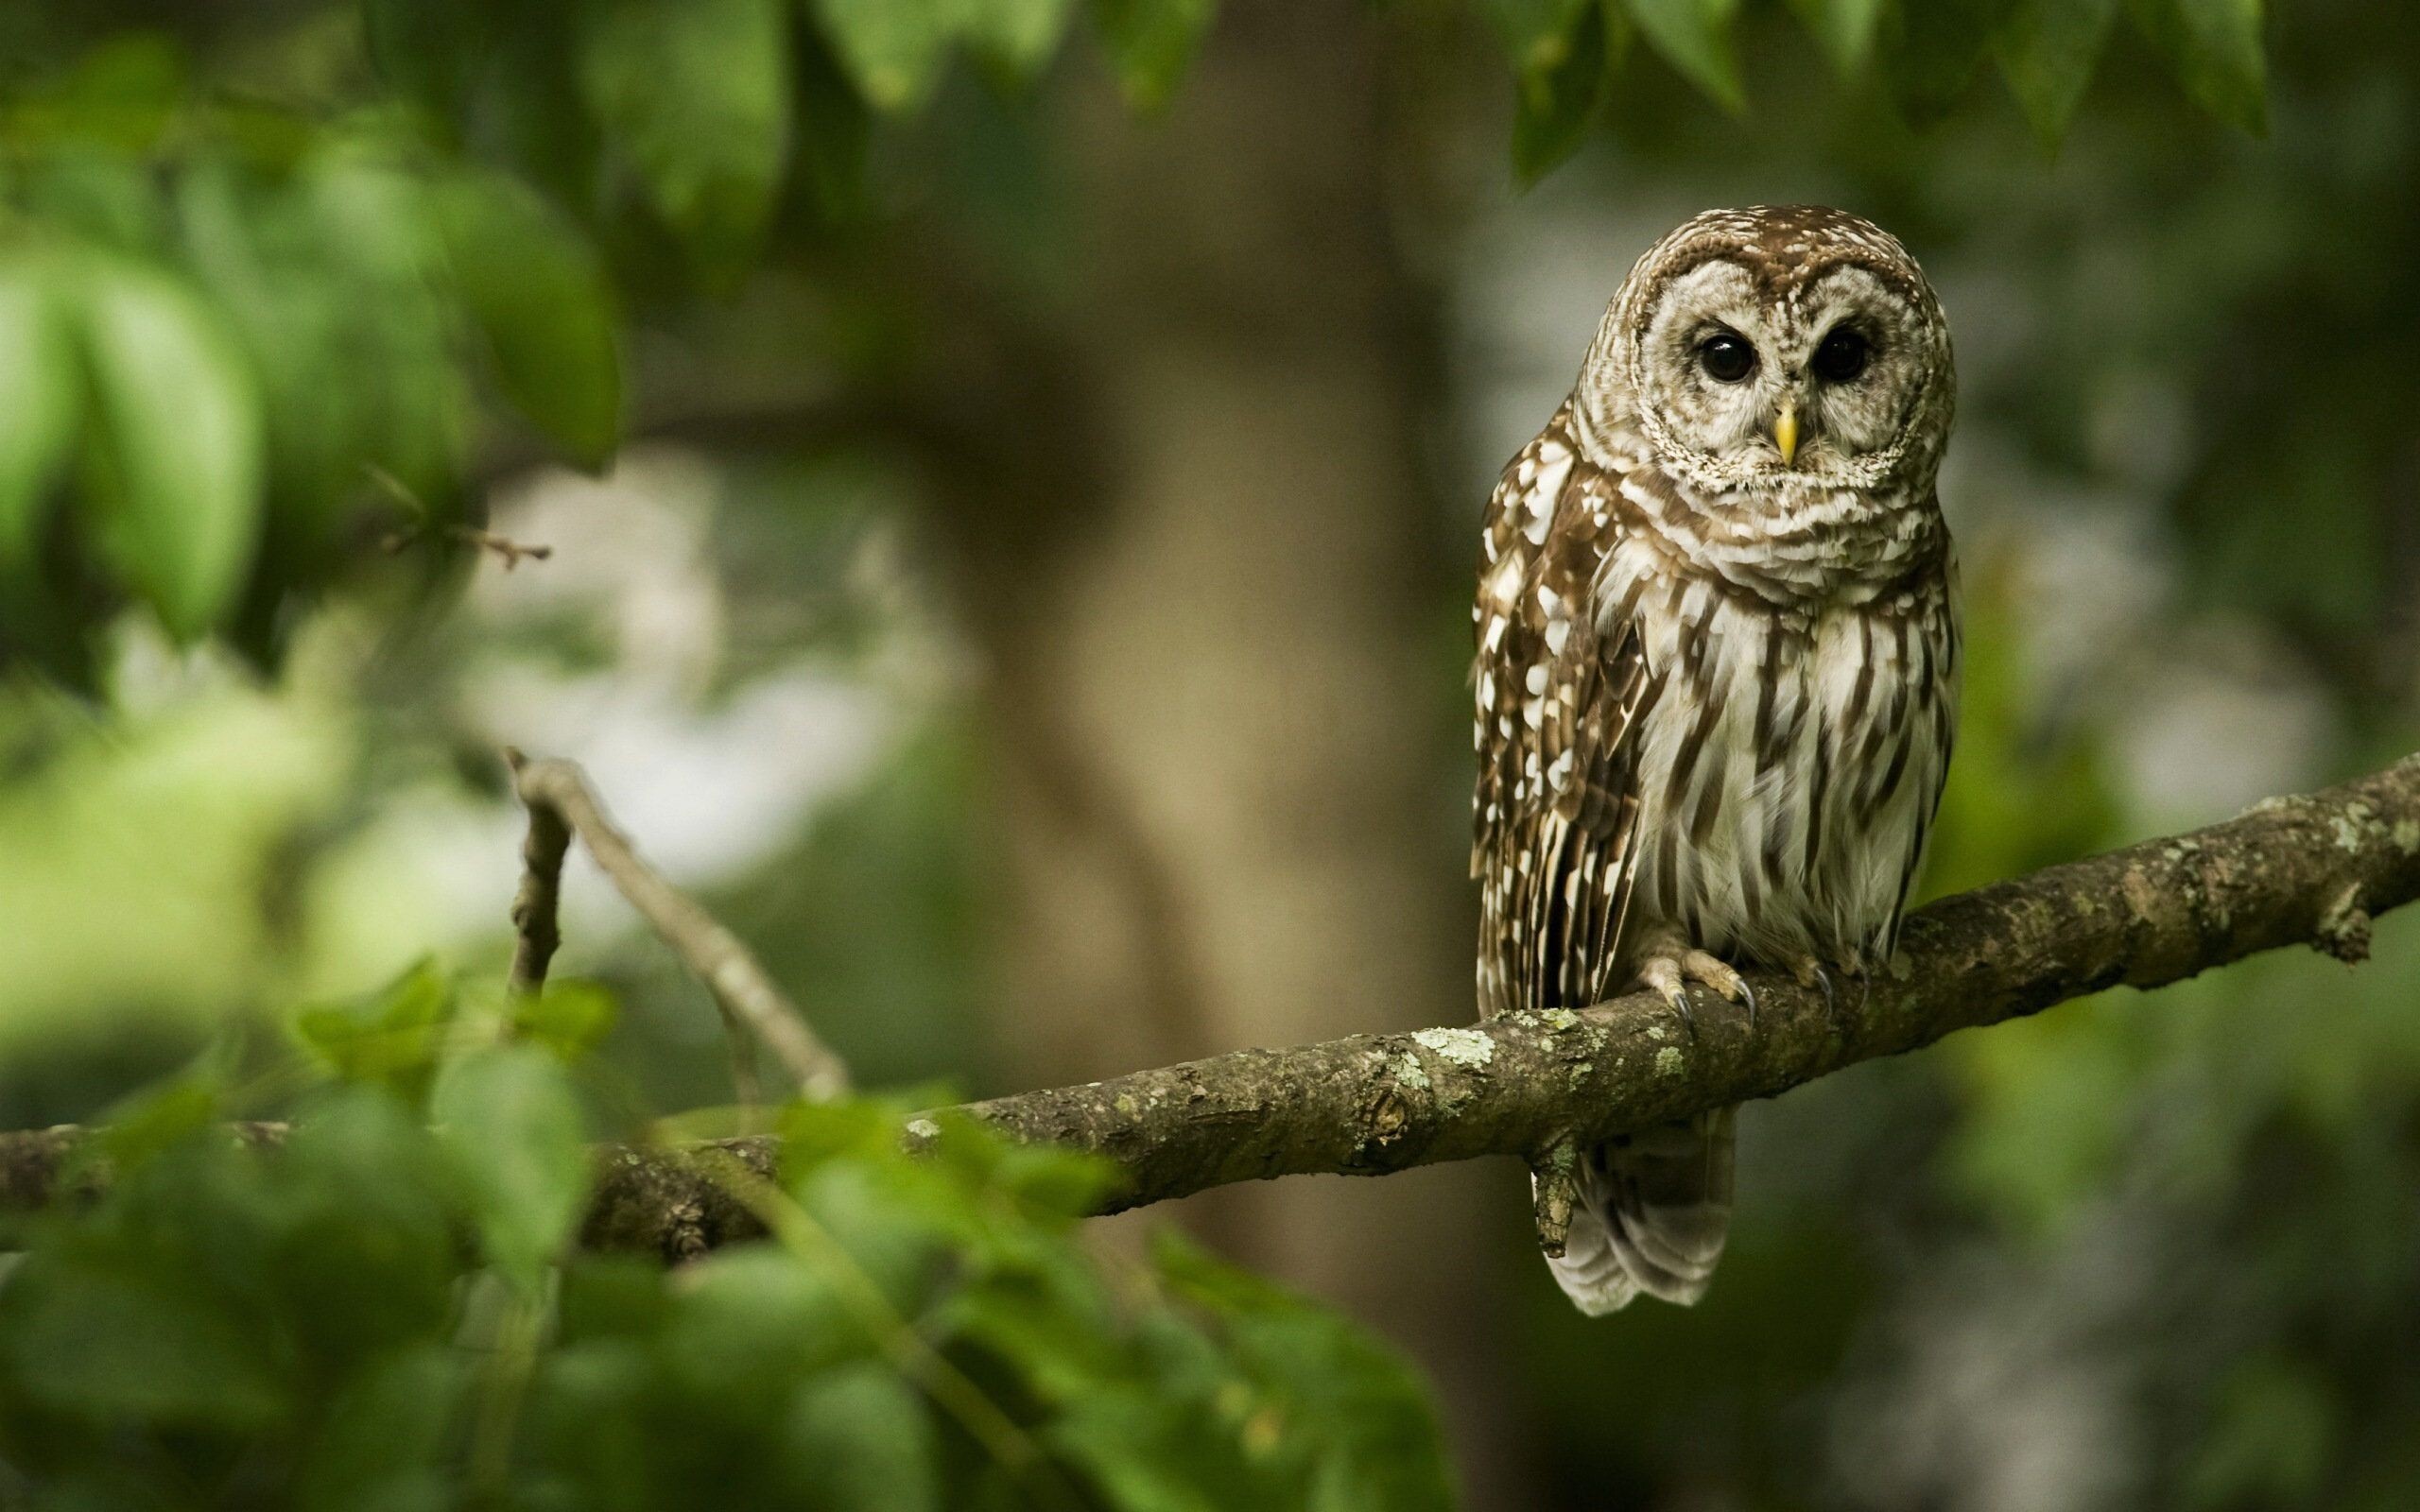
(1717, 671)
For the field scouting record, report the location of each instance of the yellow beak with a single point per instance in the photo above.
(1786, 432)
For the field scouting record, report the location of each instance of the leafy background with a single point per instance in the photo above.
(1009, 466)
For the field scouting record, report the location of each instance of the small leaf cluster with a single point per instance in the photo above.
(1925, 55)
(387, 1309)
(228, 334)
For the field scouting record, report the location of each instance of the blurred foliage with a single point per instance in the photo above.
(306, 1326)
(249, 313)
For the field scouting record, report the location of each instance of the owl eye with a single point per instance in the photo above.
(1727, 358)
(1841, 356)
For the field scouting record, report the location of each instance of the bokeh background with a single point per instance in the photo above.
(1029, 604)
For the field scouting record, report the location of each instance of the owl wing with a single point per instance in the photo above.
(1560, 690)
(1932, 634)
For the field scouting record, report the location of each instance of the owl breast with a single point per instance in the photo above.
(1788, 765)
(1697, 721)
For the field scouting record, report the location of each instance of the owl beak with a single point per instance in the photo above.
(1786, 431)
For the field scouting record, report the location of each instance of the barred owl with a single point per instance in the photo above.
(1717, 671)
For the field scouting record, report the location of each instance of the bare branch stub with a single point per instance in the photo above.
(539, 902)
(511, 552)
(561, 803)
(507, 550)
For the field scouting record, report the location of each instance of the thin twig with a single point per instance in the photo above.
(557, 792)
(513, 551)
(535, 906)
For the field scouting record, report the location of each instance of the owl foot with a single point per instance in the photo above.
(1668, 976)
(1810, 972)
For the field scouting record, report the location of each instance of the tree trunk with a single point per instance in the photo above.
(1224, 664)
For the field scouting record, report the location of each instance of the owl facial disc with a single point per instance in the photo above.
(1794, 345)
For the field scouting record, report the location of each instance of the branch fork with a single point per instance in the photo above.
(562, 805)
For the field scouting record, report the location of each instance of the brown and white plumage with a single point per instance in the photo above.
(1716, 668)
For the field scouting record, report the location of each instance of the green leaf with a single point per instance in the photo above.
(1534, 30)
(1934, 48)
(369, 1238)
(1564, 81)
(1144, 1450)
(1150, 43)
(514, 1129)
(373, 307)
(174, 464)
(2215, 47)
(101, 197)
(1063, 1353)
(123, 94)
(2047, 51)
(159, 1118)
(2275, 1439)
(1694, 36)
(38, 394)
(863, 1437)
(527, 117)
(896, 1220)
(833, 125)
(536, 295)
(813, 1133)
(570, 1017)
(1021, 35)
(90, 1332)
(430, 49)
(389, 1038)
(616, 1296)
(1844, 27)
(696, 96)
(1318, 1390)
(1055, 1185)
(383, 1442)
(892, 51)
(749, 1319)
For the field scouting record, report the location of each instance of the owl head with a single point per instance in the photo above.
(1778, 344)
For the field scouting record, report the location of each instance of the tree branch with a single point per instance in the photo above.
(561, 804)
(2312, 869)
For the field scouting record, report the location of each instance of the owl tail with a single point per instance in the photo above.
(1650, 1215)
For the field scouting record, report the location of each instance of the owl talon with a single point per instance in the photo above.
(1810, 974)
(1663, 977)
(1862, 975)
(1669, 975)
